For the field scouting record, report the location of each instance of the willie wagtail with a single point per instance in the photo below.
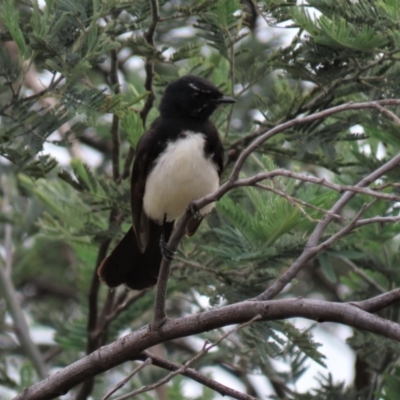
(179, 159)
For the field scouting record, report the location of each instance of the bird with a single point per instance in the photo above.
(178, 159)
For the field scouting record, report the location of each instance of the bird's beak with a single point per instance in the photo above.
(225, 99)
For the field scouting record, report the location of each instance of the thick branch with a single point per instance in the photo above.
(379, 302)
(131, 346)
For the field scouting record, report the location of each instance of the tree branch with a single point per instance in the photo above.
(379, 302)
(131, 346)
(318, 181)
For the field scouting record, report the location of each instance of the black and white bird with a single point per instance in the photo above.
(179, 159)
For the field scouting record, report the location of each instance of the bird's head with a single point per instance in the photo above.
(192, 96)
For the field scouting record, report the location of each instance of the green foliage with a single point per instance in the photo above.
(283, 341)
(62, 216)
(392, 384)
(9, 17)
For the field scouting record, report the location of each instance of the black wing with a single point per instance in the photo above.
(147, 151)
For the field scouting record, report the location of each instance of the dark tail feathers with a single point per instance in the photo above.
(127, 265)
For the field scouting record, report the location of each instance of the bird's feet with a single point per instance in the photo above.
(196, 214)
(165, 250)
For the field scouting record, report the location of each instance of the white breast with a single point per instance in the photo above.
(182, 174)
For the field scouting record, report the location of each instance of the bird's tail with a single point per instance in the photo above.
(127, 265)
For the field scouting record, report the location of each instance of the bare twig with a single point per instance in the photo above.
(111, 314)
(198, 377)
(115, 119)
(127, 379)
(255, 179)
(298, 203)
(149, 65)
(35, 96)
(360, 272)
(376, 220)
(312, 248)
(21, 327)
(389, 114)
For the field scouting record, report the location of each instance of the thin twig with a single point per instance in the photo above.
(198, 377)
(21, 327)
(318, 181)
(115, 119)
(149, 65)
(312, 248)
(128, 378)
(377, 220)
(35, 96)
(206, 348)
(7, 228)
(297, 202)
(119, 307)
(389, 113)
(360, 272)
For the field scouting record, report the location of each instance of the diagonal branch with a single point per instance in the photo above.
(311, 248)
(125, 380)
(198, 377)
(115, 119)
(22, 329)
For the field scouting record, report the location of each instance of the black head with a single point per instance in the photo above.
(191, 96)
